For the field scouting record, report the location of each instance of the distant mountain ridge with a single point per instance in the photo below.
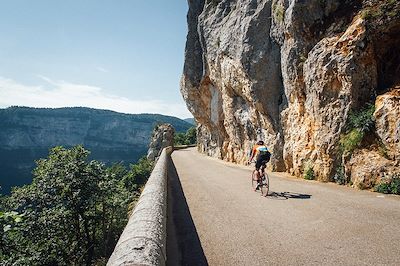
(190, 120)
(26, 134)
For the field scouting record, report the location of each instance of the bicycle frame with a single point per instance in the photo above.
(262, 181)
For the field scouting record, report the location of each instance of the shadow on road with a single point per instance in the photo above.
(287, 195)
(183, 243)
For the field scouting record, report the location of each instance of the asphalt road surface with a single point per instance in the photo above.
(300, 222)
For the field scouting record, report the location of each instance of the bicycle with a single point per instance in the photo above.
(263, 186)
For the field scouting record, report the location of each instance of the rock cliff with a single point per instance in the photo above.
(162, 137)
(292, 72)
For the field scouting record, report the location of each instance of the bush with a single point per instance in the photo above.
(278, 12)
(363, 120)
(309, 174)
(359, 124)
(389, 187)
(350, 141)
(395, 186)
(340, 177)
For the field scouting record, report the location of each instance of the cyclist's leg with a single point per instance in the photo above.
(258, 168)
(262, 168)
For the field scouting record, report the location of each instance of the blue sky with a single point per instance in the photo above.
(123, 55)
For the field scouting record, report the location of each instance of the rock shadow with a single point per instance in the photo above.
(183, 243)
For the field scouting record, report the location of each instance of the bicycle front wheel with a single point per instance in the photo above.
(254, 182)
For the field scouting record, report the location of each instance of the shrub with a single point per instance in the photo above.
(389, 187)
(339, 176)
(351, 141)
(383, 188)
(309, 173)
(363, 119)
(278, 12)
(358, 124)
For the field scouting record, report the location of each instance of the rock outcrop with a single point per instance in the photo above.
(291, 73)
(387, 117)
(162, 137)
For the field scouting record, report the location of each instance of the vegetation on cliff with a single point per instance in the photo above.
(72, 213)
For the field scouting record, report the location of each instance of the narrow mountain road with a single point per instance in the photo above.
(300, 223)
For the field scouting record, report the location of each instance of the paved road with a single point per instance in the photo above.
(301, 223)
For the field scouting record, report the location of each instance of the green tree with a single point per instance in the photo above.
(72, 213)
(138, 174)
(188, 138)
(191, 135)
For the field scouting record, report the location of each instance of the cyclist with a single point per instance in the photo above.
(260, 151)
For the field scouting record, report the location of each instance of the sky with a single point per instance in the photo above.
(121, 55)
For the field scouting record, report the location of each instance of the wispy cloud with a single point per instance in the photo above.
(102, 69)
(56, 94)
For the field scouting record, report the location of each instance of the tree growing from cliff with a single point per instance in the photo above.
(72, 213)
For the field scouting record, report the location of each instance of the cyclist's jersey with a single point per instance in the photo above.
(262, 154)
(260, 150)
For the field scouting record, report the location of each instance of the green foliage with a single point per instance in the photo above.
(391, 186)
(309, 173)
(340, 177)
(278, 12)
(350, 141)
(191, 135)
(358, 125)
(387, 8)
(138, 174)
(370, 13)
(71, 214)
(188, 138)
(363, 119)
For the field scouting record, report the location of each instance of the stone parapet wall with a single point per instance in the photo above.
(143, 241)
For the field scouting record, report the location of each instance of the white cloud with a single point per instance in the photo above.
(102, 69)
(64, 94)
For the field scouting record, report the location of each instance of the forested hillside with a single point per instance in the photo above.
(27, 134)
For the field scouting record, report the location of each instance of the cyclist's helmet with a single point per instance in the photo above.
(260, 142)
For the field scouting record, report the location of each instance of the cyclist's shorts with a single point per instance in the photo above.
(261, 160)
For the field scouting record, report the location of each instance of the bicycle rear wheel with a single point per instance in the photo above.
(264, 187)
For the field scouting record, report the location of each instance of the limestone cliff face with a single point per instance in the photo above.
(290, 72)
